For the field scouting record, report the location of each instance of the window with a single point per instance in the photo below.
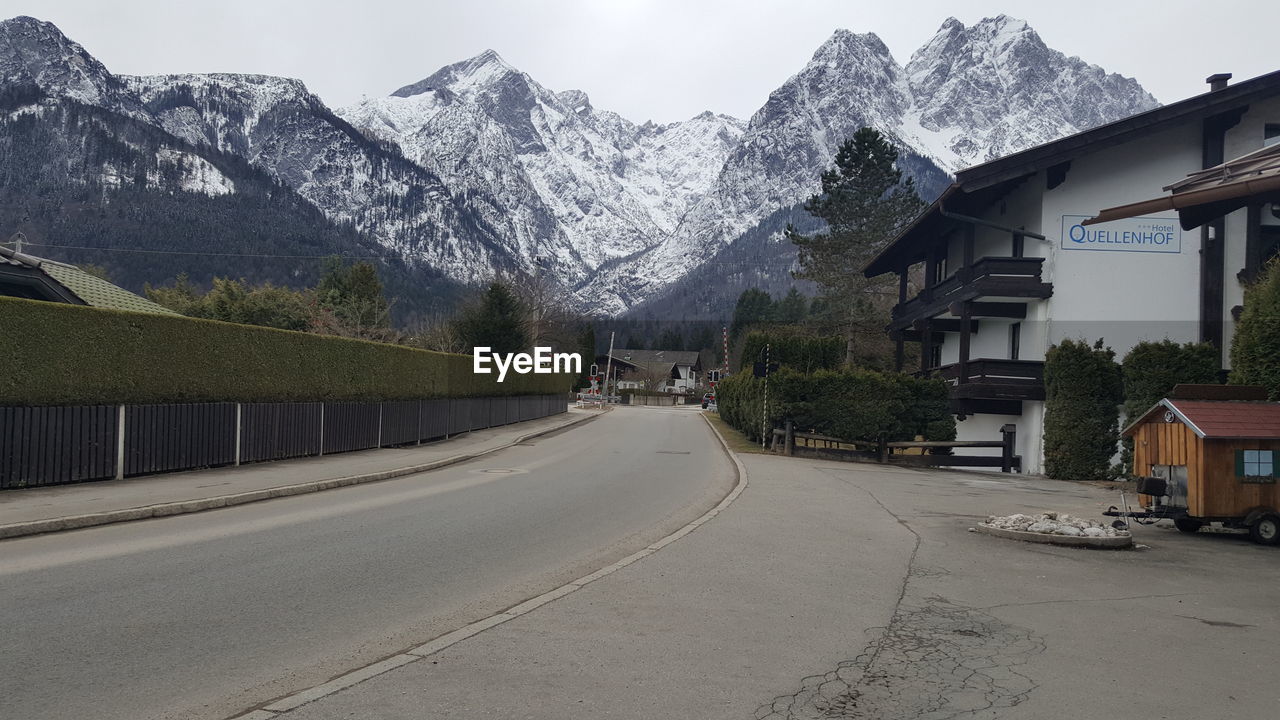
(1270, 134)
(935, 356)
(1256, 466)
(1015, 340)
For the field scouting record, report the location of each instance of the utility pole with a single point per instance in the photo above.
(608, 368)
(724, 352)
(764, 412)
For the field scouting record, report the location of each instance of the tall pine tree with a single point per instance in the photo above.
(865, 201)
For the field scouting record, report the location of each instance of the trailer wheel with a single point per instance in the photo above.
(1187, 525)
(1265, 530)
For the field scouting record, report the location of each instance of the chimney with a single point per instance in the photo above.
(1218, 81)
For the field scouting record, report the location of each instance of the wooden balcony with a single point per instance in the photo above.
(987, 385)
(1005, 279)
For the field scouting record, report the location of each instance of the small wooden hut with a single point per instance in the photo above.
(1219, 457)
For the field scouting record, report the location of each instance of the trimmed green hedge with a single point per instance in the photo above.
(849, 404)
(58, 354)
(804, 353)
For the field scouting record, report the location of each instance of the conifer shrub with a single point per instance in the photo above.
(849, 404)
(1255, 348)
(803, 353)
(1083, 388)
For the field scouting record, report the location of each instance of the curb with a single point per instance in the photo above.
(276, 708)
(1118, 542)
(182, 507)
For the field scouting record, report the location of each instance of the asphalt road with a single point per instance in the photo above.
(203, 616)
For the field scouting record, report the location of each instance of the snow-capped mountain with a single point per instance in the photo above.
(577, 186)
(986, 91)
(479, 169)
(278, 126)
(969, 95)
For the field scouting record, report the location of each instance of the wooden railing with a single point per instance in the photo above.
(1016, 277)
(992, 370)
(784, 439)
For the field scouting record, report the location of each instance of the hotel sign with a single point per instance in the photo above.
(1150, 235)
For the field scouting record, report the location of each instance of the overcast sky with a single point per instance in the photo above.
(663, 60)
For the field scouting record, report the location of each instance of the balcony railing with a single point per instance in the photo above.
(1006, 277)
(992, 385)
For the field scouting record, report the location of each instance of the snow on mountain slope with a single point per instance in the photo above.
(578, 186)
(969, 95)
(989, 90)
(277, 125)
(479, 169)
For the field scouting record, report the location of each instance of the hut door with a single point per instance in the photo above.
(1176, 477)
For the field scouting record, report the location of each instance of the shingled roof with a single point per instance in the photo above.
(1221, 419)
(60, 282)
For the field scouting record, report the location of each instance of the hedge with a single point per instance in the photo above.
(849, 404)
(60, 354)
(804, 353)
(1083, 390)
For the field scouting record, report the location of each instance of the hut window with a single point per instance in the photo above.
(1256, 466)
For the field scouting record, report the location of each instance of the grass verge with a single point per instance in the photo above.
(737, 441)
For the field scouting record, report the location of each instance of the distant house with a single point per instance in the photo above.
(673, 371)
(33, 278)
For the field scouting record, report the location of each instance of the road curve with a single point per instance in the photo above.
(203, 616)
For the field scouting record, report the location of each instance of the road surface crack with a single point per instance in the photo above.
(936, 660)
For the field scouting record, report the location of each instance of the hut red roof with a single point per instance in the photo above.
(1221, 418)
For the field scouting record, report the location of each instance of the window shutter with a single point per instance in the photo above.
(1239, 463)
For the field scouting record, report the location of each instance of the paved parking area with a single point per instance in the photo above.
(832, 590)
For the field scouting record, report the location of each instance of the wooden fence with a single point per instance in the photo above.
(58, 445)
(937, 453)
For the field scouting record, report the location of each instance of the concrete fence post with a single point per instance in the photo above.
(238, 432)
(321, 429)
(790, 444)
(380, 424)
(120, 442)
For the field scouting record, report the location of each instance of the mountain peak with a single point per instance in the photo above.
(575, 100)
(35, 52)
(478, 71)
(847, 40)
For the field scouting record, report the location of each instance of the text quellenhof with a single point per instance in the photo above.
(543, 361)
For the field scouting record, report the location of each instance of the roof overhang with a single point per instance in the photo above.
(1209, 194)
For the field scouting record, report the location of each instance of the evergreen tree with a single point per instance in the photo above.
(671, 339)
(1083, 388)
(791, 309)
(1255, 348)
(352, 296)
(496, 322)
(238, 302)
(865, 201)
(755, 307)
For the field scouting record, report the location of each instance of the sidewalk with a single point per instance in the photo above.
(66, 507)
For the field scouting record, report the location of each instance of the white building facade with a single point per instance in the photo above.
(1006, 270)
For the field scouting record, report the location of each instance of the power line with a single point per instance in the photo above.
(187, 252)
